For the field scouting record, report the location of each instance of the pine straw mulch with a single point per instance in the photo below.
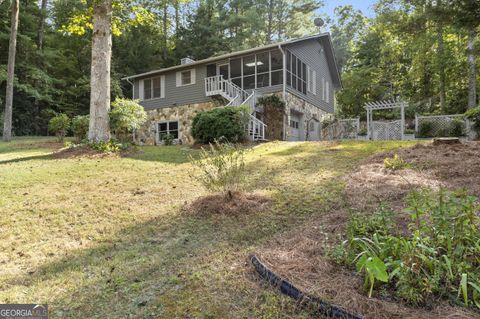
(219, 204)
(300, 255)
(88, 152)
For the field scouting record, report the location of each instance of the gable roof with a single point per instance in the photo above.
(324, 37)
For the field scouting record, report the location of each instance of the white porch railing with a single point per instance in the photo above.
(217, 85)
(256, 129)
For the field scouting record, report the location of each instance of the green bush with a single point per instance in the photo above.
(168, 139)
(111, 146)
(273, 101)
(222, 167)
(438, 258)
(59, 125)
(220, 123)
(126, 115)
(425, 129)
(474, 116)
(457, 128)
(409, 131)
(80, 125)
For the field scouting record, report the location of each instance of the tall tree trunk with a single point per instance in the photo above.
(7, 115)
(165, 21)
(268, 38)
(41, 27)
(441, 50)
(472, 73)
(177, 17)
(99, 128)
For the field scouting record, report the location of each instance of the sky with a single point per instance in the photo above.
(364, 5)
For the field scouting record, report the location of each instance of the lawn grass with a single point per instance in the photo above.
(107, 238)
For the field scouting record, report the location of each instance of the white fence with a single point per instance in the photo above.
(341, 129)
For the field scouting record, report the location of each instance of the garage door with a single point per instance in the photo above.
(294, 128)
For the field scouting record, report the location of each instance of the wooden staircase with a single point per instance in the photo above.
(217, 85)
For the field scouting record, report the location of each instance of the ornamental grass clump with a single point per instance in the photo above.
(222, 167)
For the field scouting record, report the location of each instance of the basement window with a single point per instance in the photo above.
(164, 128)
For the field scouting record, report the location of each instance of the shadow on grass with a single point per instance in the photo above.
(26, 159)
(175, 154)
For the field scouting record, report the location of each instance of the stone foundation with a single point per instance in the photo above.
(184, 114)
(308, 110)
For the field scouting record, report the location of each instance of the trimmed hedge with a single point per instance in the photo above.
(219, 123)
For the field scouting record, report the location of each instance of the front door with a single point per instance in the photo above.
(295, 127)
(223, 69)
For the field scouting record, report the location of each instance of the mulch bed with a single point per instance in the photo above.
(88, 152)
(219, 204)
(300, 255)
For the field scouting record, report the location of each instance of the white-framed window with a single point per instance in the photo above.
(152, 88)
(311, 80)
(327, 89)
(294, 124)
(323, 88)
(186, 77)
(168, 127)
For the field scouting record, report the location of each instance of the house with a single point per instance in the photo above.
(302, 71)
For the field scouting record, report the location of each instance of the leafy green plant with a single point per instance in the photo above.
(168, 139)
(456, 128)
(272, 101)
(395, 163)
(111, 146)
(59, 124)
(409, 131)
(474, 116)
(439, 257)
(80, 125)
(363, 132)
(425, 129)
(126, 115)
(222, 167)
(220, 123)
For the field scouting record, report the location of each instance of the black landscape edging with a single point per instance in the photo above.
(318, 305)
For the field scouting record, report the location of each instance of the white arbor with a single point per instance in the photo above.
(391, 130)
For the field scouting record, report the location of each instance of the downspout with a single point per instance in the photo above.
(284, 87)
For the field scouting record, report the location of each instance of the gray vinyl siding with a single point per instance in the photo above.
(189, 94)
(310, 52)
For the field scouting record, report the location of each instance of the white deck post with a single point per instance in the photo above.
(402, 125)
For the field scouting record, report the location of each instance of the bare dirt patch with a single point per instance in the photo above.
(219, 204)
(300, 256)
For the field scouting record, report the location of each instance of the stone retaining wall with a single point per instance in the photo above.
(184, 114)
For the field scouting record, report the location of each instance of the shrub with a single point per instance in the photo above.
(439, 258)
(168, 139)
(395, 163)
(80, 125)
(474, 116)
(59, 125)
(220, 123)
(457, 128)
(425, 129)
(126, 115)
(363, 132)
(271, 101)
(409, 131)
(223, 167)
(110, 146)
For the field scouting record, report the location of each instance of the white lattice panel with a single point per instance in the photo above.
(386, 130)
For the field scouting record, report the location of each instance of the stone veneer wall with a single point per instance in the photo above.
(184, 114)
(309, 111)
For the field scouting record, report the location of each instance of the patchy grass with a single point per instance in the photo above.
(107, 238)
